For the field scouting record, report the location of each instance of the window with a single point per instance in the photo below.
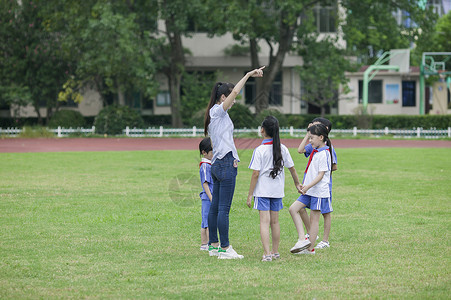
(374, 91)
(408, 93)
(163, 99)
(275, 95)
(69, 103)
(325, 18)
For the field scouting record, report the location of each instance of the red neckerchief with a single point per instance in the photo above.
(310, 159)
(204, 162)
(268, 142)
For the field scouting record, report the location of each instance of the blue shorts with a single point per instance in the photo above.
(265, 204)
(205, 210)
(316, 203)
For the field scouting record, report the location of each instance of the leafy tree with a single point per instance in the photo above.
(437, 40)
(323, 72)
(113, 45)
(196, 88)
(176, 15)
(274, 22)
(33, 65)
(370, 27)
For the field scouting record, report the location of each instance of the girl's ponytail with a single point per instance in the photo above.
(212, 102)
(271, 126)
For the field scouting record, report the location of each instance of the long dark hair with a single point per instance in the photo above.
(321, 129)
(219, 89)
(271, 126)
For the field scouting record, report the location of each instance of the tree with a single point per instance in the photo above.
(438, 39)
(274, 22)
(113, 45)
(176, 15)
(370, 27)
(283, 25)
(33, 65)
(323, 72)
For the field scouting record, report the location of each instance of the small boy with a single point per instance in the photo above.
(206, 151)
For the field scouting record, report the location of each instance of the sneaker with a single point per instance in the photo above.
(213, 251)
(204, 247)
(300, 245)
(275, 256)
(267, 258)
(322, 245)
(306, 251)
(307, 236)
(230, 253)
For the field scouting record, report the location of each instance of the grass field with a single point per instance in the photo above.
(127, 225)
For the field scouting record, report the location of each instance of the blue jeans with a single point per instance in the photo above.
(224, 178)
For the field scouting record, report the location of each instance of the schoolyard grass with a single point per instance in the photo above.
(127, 225)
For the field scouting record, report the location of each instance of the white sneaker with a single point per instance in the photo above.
(230, 253)
(204, 248)
(322, 245)
(300, 245)
(306, 251)
(213, 251)
(307, 236)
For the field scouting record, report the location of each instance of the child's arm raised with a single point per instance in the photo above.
(297, 184)
(317, 179)
(254, 180)
(301, 148)
(207, 190)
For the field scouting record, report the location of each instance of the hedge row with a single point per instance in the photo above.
(244, 119)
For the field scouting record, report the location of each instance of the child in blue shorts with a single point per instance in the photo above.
(306, 149)
(315, 188)
(206, 181)
(267, 184)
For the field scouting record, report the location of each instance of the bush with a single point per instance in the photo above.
(242, 116)
(67, 119)
(377, 121)
(36, 132)
(157, 120)
(114, 118)
(283, 120)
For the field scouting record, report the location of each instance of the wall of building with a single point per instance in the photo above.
(349, 103)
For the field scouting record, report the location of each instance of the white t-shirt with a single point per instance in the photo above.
(320, 162)
(262, 160)
(220, 131)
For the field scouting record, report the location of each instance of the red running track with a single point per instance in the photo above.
(12, 145)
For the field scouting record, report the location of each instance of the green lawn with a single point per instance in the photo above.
(127, 225)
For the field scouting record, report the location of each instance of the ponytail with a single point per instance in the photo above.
(212, 102)
(271, 126)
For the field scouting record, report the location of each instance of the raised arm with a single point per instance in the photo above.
(301, 148)
(236, 90)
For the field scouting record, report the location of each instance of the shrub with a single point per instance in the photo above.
(67, 119)
(242, 116)
(283, 120)
(114, 118)
(36, 132)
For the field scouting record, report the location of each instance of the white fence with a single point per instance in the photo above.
(419, 132)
